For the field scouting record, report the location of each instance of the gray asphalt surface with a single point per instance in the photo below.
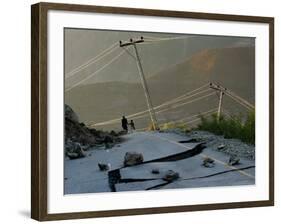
(83, 175)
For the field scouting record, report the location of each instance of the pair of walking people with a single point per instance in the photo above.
(125, 124)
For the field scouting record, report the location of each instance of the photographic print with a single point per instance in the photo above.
(141, 111)
(148, 111)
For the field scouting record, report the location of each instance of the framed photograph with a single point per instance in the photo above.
(139, 111)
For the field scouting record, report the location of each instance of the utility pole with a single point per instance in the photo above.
(143, 80)
(221, 91)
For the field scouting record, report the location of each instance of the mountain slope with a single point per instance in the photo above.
(231, 67)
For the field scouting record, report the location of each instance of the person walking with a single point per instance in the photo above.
(132, 125)
(124, 122)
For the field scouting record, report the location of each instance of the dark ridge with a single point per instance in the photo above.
(130, 180)
(179, 156)
(113, 178)
(158, 185)
(193, 140)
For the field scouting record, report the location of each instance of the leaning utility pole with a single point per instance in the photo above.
(143, 80)
(221, 91)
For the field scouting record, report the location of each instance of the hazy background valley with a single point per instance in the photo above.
(172, 68)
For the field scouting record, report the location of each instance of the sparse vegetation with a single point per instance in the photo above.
(175, 125)
(171, 125)
(234, 127)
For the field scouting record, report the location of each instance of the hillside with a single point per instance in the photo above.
(228, 66)
(231, 67)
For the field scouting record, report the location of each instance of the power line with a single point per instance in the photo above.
(135, 116)
(240, 99)
(93, 60)
(157, 112)
(157, 107)
(174, 101)
(188, 93)
(198, 114)
(188, 122)
(158, 39)
(182, 104)
(103, 67)
(239, 102)
(179, 105)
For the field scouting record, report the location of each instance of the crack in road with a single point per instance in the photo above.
(114, 176)
(201, 177)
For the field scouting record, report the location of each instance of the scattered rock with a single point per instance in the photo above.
(95, 132)
(104, 167)
(132, 158)
(122, 133)
(233, 160)
(208, 162)
(108, 139)
(171, 175)
(76, 131)
(72, 155)
(232, 146)
(155, 171)
(221, 146)
(113, 133)
(74, 150)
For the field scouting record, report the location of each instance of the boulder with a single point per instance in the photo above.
(221, 146)
(103, 167)
(74, 150)
(233, 160)
(73, 155)
(208, 162)
(171, 175)
(132, 158)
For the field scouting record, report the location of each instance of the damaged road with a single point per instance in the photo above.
(161, 152)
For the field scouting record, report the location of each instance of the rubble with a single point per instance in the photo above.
(221, 146)
(234, 160)
(78, 132)
(208, 162)
(104, 167)
(232, 146)
(132, 158)
(171, 175)
(74, 150)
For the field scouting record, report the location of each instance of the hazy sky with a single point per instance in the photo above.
(82, 45)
